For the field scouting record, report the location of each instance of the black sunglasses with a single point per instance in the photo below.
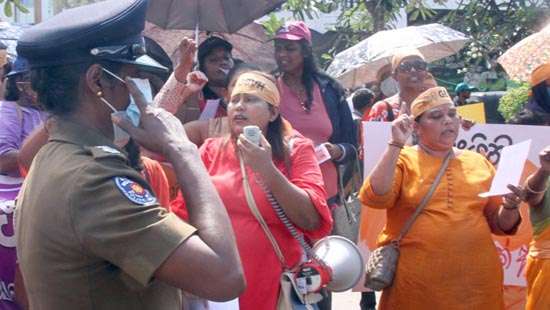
(418, 65)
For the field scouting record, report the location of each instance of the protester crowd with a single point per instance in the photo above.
(146, 186)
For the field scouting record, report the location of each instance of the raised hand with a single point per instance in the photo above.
(402, 128)
(334, 150)
(513, 199)
(196, 81)
(159, 131)
(257, 157)
(187, 49)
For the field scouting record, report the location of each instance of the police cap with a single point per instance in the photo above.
(108, 30)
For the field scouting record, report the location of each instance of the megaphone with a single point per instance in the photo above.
(343, 258)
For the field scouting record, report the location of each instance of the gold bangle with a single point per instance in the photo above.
(396, 144)
(532, 191)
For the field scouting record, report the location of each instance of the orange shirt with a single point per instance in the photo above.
(154, 174)
(448, 259)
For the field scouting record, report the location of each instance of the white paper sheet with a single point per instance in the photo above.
(321, 153)
(210, 109)
(510, 167)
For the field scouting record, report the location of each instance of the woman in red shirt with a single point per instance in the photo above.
(284, 164)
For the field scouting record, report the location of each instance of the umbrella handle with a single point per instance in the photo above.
(197, 40)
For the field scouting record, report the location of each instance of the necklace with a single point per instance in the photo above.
(299, 91)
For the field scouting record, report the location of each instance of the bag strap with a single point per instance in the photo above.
(343, 200)
(254, 209)
(425, 200)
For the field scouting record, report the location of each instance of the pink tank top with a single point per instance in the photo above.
(314, 125)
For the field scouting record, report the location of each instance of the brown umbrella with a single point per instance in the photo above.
(250, 44)
(526, 55)
(208, 15)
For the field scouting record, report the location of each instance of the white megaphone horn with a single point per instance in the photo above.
(345, 260)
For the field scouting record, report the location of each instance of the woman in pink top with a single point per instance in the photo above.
(314, 103)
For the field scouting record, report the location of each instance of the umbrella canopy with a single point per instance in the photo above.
(524, 57)
(360, 63)
(209, 15)
(250, 44)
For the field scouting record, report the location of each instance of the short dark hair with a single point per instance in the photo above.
(362, 98)
(57, 87)
(12, 92)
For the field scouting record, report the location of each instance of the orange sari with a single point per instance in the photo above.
(448, 259)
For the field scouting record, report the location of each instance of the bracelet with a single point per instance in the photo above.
(529, 189)
(397, 145)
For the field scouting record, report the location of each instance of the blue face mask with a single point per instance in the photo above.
(132, 112)
(548, 91)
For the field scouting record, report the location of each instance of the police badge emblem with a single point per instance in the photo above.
(134, 192)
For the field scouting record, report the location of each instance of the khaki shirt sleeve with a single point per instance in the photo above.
(136, 237)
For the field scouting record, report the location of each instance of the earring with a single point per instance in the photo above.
(100, 93)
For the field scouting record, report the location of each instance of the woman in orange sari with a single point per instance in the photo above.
(538, 262)
(447, 259)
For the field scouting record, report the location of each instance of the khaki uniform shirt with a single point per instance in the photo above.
(90, 233)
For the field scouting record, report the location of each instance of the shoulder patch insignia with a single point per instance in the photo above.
(134, 192)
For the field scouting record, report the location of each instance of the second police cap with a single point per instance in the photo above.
(107, 30)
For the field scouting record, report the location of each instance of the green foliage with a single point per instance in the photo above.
(10, 5)
(272, 24)
(514, 99)
(494, 26)
(59, 5)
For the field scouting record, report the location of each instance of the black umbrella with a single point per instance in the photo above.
(208, 15)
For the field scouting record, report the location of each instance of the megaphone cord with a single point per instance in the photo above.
(289, 225)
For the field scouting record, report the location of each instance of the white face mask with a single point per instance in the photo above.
(132, 112)
(389, 87)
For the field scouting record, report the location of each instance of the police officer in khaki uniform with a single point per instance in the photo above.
(90, 233)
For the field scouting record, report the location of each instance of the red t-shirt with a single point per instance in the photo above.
(261, 266)
(379, 111)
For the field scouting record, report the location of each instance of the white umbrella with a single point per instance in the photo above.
(360, 63)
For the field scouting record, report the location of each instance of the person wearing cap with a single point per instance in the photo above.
(409, 69)
(462, 94)
(205, 101)
(539, 97)
(313, 103)
(447, 259)
(20, 114)
(283, 165)
(90, 232)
